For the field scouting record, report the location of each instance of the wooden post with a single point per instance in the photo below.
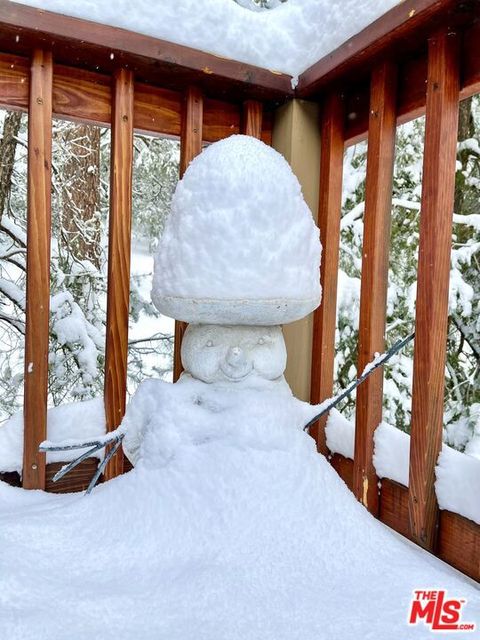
(373, 294)
(38, 268)
(119, 240)
(252, 118)
(190, 146)
(329, 214)
(441, 130)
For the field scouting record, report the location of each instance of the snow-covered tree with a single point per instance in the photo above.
(462, 395)
(80, 186)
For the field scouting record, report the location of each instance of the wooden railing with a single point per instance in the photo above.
(44, 90)
(431, 81)
(422, 57)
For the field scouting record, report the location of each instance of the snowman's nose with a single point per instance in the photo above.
(234, 356)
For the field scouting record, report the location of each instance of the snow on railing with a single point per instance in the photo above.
(457, 483)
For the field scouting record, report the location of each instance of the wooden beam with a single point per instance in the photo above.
(329, 214)
(252, 118)
(81, 95)
(76, 480)
(192, 127)
(411, 98)
(101, 47)
(470, 61)
(374, 281)
(441, 131)
(14, 82)
(86, 96)
(344, 468)
(220, 119)
(119, 240)
(38, 268)
(190, 147)
(459, 543)
(156, 110)
(393, 510)
(412, 85)
(398, 31)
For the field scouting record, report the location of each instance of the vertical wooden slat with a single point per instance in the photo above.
(441, 129)
(38, 268)
(373, 294)
(190, 146)
(329, 214)
(119, 240)
(252, 118)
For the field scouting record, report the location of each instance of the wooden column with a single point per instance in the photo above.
(252, 118)
(374, 283)
(441, 129)
(190, 146)
(296, 135)
(38, 268)
(119, 239)
(329, 214)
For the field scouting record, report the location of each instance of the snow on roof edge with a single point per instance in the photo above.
(220, 29)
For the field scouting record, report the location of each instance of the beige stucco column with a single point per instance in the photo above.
(296, 135)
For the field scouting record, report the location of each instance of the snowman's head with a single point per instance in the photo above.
(218, 353)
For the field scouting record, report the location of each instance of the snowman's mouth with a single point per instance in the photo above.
(232, 374)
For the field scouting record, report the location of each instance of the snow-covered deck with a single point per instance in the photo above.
(169, 89)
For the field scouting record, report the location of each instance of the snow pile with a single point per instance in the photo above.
(392, 453)
(458, 483)
(340, 434)
(289, 38)
(211, 412)
(458, 474)
(68, 421)
(230, 527)
(240, 245)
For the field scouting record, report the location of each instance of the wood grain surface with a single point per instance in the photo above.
(329, 214)
(38, 268)
(374, 281)
(441, 130)
(252, 118)
(190, 147)
(119, 240)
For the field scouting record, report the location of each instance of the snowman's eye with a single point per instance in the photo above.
(209, 343)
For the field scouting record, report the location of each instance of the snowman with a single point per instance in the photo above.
(239, 257)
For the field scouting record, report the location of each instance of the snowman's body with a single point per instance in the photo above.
(233, 376)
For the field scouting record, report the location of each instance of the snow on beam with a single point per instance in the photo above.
(397, 30)
(100, 47)
(457, 474)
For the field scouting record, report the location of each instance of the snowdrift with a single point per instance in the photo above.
(235, 531)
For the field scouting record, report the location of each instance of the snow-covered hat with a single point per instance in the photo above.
(240, 245)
